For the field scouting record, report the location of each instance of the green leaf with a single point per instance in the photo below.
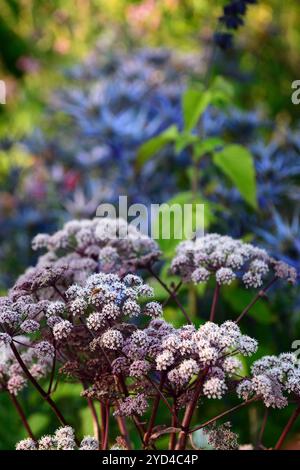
(194, 103)
(154, 145)
(166, 276)
(236, 162)
(67, 390)
(222, 92)
(222, 84)
(174, 316)
(160, 293)
(206, 146)
(184, 140)
(178, 220)
(86, 422)
(38, 422)
(15, 7)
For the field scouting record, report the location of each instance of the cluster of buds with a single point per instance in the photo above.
(273, 377)
(227, 259)
(12, 377)
(89, 246)
(181, 356)
(63, 439)
(106, 331)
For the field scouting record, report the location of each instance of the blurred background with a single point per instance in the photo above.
(88, 82)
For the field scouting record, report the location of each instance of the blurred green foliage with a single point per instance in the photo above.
(37, 37)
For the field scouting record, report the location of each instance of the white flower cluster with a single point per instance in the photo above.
(44, 350)
(112, 339)
(186, 352)
(139, 368)
(100, 244)
(272, 376)
(55, 309)
(30, 326)
(62, 329)
(5, 339)
(20, 313)
(209, 350)
(226, 259)
(132, 405)
(87, 310)
(105, 298)
(12, 377)
(214, 387)
(222, 437)
(63, 439)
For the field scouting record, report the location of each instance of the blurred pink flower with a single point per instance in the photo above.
(144, 17)
(28, 64)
